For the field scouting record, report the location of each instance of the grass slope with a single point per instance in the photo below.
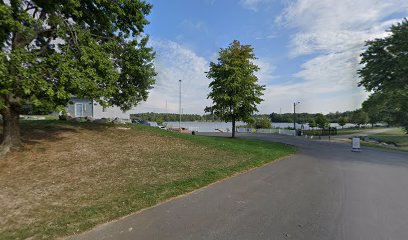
(394, 136)
(348, 131)
(71, 177)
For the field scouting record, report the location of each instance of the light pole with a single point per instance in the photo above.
(294, 115)
(180, 104)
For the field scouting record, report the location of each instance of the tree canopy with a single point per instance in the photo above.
(385, 72)
(53, 50)
(342, 121)
(234, 89)
(321, 121)
(359, 117)
(312, 123)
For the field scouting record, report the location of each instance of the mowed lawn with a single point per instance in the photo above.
(348, 131)
(70, 177)
(393, 136)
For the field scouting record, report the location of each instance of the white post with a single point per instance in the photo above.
(180, 105)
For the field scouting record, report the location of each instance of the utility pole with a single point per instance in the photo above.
(294, 115)
(167, 113)
(180, 104)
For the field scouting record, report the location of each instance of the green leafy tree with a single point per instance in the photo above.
(322, 121)
(390, 107)
(342, 121)
(52, 50)
(263, 122)
(312, 123)
(359, 117)
(375, 108)
(234, 89)
(385, 72)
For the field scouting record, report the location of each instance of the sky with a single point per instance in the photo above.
(308, 50)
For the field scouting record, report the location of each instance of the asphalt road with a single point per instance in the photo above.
(325, 191)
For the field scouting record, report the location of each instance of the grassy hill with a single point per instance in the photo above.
(70, 177)
(394, 136)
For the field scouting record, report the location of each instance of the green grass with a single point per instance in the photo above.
(376, 145)
(393, 136)
(348, 131)
(47, 117)
(71, 177)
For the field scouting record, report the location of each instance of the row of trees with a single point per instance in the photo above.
(307, 117)
(173, 117)
(357, 117)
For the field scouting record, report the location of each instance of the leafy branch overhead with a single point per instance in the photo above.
(385, 73)
(54, 49)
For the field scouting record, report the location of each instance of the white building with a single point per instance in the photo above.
(80, 107)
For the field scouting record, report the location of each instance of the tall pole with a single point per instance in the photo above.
(180, 104)
(294, 116)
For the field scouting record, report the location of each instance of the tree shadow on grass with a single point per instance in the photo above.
(34, 132)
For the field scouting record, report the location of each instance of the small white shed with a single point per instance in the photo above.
(81, 107)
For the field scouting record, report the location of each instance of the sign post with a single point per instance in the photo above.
(356, 145)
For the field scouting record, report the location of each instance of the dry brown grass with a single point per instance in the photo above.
(70, 177)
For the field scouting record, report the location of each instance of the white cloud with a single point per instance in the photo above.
(266, 71)
(174, 62)
(254, 5)
(210, 2)
(335, 31)
(194, 25)
(267, 37)
(313, 98)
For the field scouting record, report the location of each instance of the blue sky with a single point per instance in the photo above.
(308, 50)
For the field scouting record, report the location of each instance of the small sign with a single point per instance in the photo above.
(356, 144)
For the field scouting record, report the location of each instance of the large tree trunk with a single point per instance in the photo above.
(233, 127)
(11, 129)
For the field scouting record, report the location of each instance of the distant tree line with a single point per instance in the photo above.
(173, 117)
(308, 117)
(358, 117)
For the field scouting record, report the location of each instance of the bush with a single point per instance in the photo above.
(262, 123)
